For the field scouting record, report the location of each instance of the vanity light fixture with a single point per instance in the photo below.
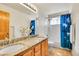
(29, 6)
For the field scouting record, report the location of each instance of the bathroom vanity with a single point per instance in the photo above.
(37, 46)
(39, 49)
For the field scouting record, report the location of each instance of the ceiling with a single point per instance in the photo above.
(43, 8)
(49, 8)
(18, 7)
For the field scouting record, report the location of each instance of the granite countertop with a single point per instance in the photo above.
(28, 43)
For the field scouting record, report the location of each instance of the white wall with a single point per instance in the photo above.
(42, 25)
(75, 19)
(17, 19)
(54, 35)
(54, 32)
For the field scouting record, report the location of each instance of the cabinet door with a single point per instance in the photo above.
(45, 48)
(4, 25)
(29, 53)
(37, 49)
(38, 53)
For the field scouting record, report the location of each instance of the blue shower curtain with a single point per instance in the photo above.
(65, 23)
(32, 27)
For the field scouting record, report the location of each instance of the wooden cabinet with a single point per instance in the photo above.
(40, 49)
(44, 48)
(30, 52)
(38, 53)
(4, 25)
(37, 50)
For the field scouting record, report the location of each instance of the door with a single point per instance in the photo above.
(4, 25)
(65, 23)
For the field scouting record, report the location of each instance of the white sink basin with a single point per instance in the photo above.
(11, 49)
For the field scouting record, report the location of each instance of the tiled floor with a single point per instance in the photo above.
(59, 52)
